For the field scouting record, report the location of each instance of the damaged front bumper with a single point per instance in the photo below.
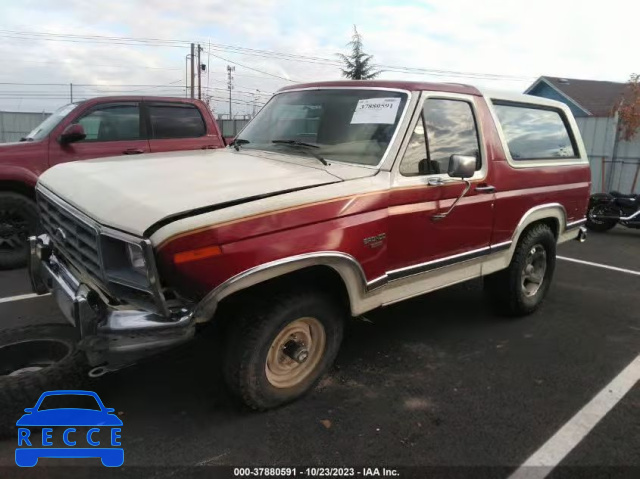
(112, 336)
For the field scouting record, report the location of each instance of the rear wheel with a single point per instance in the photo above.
(278, 349)
(594, 223)
(522, 287)
(35, 359)
(18, 221)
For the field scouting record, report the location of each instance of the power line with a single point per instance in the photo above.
(83, 64)
(249, 51)
(254, 69)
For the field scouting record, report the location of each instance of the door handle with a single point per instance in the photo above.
(485, 189)
(133, 151)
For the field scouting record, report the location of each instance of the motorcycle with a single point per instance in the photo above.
(608, 209)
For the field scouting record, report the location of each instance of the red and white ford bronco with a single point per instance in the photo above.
(338, 198)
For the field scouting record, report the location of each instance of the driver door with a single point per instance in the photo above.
(112, 129)
(421, 188)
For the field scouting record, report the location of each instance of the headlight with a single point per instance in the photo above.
(136, 258)
(125, 262)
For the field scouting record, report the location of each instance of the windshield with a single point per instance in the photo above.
(44, 128)
(350, 125)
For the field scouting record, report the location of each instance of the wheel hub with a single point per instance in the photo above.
(6, 230)
(13, 230)
(534, 270)
(295, 352)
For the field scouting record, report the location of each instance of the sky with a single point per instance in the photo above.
(497, 44)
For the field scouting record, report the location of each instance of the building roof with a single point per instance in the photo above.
(400, 85)
(597, 98)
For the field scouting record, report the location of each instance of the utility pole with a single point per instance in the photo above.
(255, 99)
(192, 72)
(199, 74)
(71, 92)
(230, 70)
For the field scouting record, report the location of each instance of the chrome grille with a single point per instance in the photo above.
(76, 240)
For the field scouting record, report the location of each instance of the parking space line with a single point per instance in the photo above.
(598, 265)
(542, 462)
(21, 297)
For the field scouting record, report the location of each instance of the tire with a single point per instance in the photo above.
(251, 346)
(49, 348)
(18, 221)
(510, 291)
(600, 226)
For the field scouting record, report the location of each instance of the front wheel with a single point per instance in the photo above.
(522, 287)
(279, 349)
(595, 223)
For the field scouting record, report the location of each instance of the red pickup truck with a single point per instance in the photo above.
(99, 127)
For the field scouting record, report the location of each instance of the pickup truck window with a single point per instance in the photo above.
(112, 123)
(176, 121)
(534, 133)
(349, 125)
(44, 128)
(450, 130)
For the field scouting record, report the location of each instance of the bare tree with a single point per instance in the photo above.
(628, 109)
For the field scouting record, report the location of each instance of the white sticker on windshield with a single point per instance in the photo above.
(376, 110)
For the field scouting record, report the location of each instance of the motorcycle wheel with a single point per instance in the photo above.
(601, 225)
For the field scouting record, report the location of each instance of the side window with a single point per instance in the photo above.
(451, 130)
(415, 159)
(112, 123)
(445, 128)
(176, 121)
(535, 133)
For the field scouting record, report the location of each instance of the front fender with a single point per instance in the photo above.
(344, 264)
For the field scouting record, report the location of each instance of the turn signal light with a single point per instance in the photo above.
(196, 254)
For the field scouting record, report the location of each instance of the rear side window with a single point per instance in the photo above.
(535, 133)
(176, 121)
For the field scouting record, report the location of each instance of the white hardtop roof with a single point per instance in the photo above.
(521, 98)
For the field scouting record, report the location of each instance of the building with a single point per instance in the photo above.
(14, 125)
(615, 163)
(584, 97)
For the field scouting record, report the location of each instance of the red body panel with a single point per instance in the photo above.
(24, 162)
(404, 215)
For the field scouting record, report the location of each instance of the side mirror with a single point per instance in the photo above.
(461, 166)
(72, 133)
(28, 410)
(109, 410)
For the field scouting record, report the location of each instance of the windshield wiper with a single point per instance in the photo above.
(26, 138)
(239, 141)
(303, 145)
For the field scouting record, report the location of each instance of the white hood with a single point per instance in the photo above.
(131, 194)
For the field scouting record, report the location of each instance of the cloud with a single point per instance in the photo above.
(525, 39)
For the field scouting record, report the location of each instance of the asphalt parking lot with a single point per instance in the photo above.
(437, 381)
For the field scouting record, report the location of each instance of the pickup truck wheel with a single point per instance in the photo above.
(279, 348)
(35, 359)
(521, 288)
(18, 220)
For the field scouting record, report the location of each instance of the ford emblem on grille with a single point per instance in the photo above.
(61, 235)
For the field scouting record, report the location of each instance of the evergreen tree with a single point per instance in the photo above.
(357, 65)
